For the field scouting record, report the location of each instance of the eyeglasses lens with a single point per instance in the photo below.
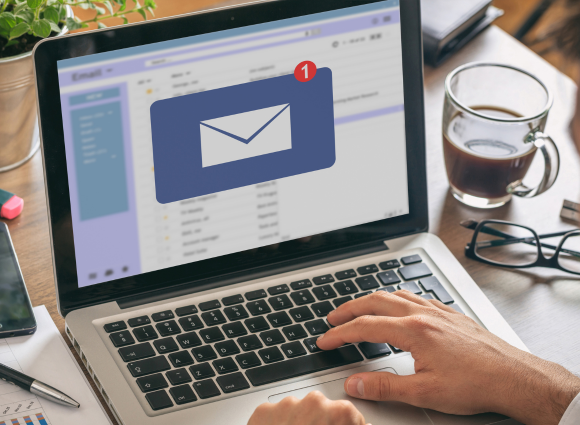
(506, 244)
(569, 257)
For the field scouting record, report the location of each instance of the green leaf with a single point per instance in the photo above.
(11, 43)
(150, 3)
(84, 6)
(125, 20)
(41, 28)
(142, 13)
(54, 27)
(72, 24)
(123, 4)
(109, 6)
(100, 10)
(100, 25)
(33, 4)
(62, 12)
(52, 14)
(18, 30)
(25, 15)
(7, 21)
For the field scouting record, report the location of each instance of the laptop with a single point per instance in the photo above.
(218, 182)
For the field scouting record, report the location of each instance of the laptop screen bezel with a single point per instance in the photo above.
(48, 52)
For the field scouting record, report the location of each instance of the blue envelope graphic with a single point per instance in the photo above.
(242, 135)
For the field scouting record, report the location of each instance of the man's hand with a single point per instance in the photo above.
(461, 368)
(314, 409)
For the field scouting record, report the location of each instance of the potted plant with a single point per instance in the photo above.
(23, 23)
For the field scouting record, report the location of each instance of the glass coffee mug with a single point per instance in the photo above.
(493, 127)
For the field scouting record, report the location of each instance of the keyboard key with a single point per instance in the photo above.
(248, 360)
(367, 282)
(411, 259)
(159, 400)
(203, 354)
(279, 289)
(257, 324)
(316, 327)
(410, 286)
(146, 333)
(272, 337)
(163, 315)
(256, 295)
(249, 343)
(347, 274)
(139, 321)
(232, 383)
(340, 301)
(136, 352)
(362, 294)
(234, 299)
(294, 332)
(303, 365)
(201, 371)
(270, 355)
(367, 269)
(372, 351)
(206, 389)
(188, 340)
(165, 345)
(236, 312)
(148, 366)
(416, 271)
(301, 284)
(214, 317)
(227, 348)
(209, 305)
(346, 287)
(389, 289)
(178, 376)
(280, 302)
(121, 339)
(259, 307)
(456, 308)
(301, 314)
(321, 280)
(211, 335)
(432, 284)
(115, 326)
(181, 358)
(324, 292)
(182, 394)
(186, 311)
(168, 328)
(302, 297)
(311, 345)
(190, 323)
(395, 349)
(389, 278)
(428, 297)
(391, 264)
(226, 365)
(279, 319)
(234, 330)
(322, 309)
(293, 349)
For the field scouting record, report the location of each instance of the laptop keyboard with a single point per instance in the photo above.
(247, 340)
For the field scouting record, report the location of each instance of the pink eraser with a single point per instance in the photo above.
(12, 208)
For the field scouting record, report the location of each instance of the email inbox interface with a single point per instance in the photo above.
(242, 135)
(204, 146)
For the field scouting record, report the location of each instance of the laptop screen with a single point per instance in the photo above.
(195, 148)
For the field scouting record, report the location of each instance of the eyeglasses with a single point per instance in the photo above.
(505, 244)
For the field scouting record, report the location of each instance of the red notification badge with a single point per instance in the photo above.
(305, 71)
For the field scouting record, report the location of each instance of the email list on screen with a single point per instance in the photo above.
(123, 227)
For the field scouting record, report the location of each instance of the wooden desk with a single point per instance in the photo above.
(542, 306)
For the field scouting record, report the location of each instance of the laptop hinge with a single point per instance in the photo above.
(247, 275)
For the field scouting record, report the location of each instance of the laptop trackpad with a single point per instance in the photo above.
(392, 413)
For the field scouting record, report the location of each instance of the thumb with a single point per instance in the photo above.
(382, 386)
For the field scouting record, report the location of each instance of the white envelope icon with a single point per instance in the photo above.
(245, 135)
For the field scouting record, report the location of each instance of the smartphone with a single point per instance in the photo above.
(16, 315)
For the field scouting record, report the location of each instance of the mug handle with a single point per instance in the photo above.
(546, 145)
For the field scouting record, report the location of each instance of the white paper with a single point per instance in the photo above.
(46, 357)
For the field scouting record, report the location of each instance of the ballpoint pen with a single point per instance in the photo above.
(35, 386)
